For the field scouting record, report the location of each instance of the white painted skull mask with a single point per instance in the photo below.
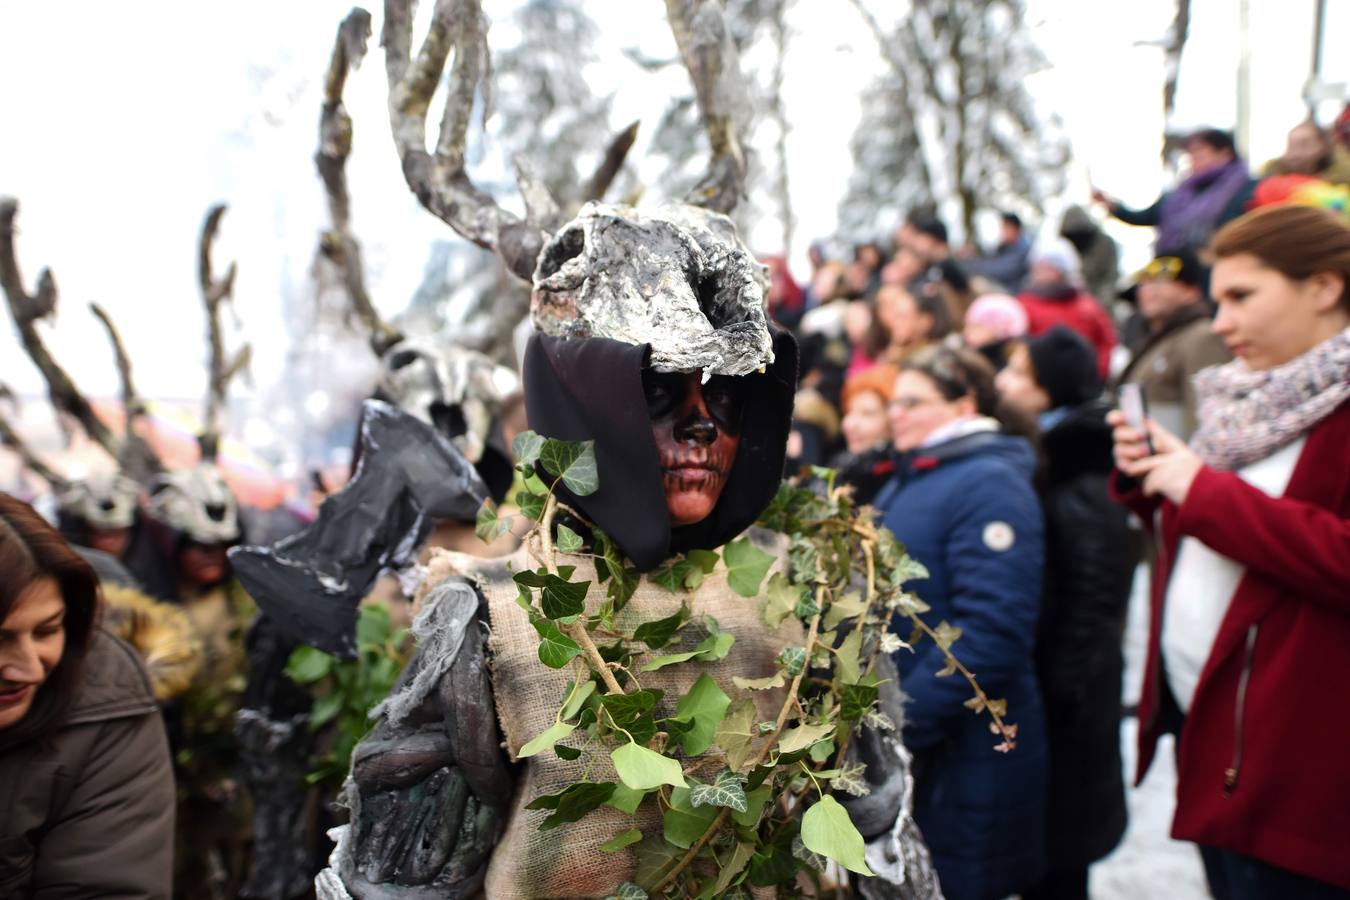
(459, 392)
(677, 278)
(198, 503)
(105, 501)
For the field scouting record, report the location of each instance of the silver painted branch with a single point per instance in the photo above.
(339, 245)
(440, 181)
(27, 309)
(708, 52)
(215, 292)
(9, 437)
(610, 165)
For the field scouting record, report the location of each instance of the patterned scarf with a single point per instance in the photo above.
(1245, 416)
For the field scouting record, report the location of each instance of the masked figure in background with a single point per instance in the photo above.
(194, 520)
(687, 394)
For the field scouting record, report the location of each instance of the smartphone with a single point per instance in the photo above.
(1135, 407)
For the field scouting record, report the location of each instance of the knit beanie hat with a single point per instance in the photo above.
(1066, 366)
(1059, 253)
(1002, 314)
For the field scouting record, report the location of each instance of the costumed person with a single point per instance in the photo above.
(101, 512)
(963, 503)
(1250, 623)
(689, 422)
(1087, 588)
(86, 785)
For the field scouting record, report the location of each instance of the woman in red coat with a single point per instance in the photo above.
(1250, 633)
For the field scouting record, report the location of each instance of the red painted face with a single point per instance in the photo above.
(697, 431)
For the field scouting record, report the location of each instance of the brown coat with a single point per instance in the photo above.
(1166, 363)
(88, 812)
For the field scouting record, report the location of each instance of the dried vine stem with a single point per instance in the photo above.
(577, 630)
(215, 292)
(783, 713)
(1002, 729)
(27, 309)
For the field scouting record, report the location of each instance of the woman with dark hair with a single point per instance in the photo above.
(1250, 627)
(962, 501)
(86, 789)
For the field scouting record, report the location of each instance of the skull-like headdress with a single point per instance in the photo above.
(105, 501)
(198, 503)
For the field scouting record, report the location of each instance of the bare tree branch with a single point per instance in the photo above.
(27, 309)
(9, 437)
(339, 244)
(215, 293)
(610, 165)
(440, 181)
(705, 43)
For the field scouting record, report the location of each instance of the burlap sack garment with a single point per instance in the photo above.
(566, 862)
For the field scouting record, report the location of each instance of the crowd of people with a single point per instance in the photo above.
(968, 398)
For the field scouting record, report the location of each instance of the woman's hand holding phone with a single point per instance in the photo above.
(1164, 462)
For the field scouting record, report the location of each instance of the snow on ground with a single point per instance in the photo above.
(1148, 864)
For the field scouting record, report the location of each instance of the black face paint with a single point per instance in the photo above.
(672, 395)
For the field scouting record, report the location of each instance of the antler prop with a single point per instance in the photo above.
(215, 292)
(27, 309)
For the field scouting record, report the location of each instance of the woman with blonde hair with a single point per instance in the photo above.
(1250, 628)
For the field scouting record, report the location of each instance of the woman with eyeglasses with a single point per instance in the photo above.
(962, 502)
(86, 788)
(1249, 641)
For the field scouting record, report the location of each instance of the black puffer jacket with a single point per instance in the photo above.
(1078, 655)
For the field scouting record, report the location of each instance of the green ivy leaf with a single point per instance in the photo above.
(568, 540)
(307, 665)
(624, 708)
(573, 803)
(576, 697)
(571, 754)
(704, 704)
(735, 733)
(846, 607)
(546, 739)
(803, 736)
(325, 710)
(792, 659)
(851, 780)
(644, 770)
(755, 802)
(683, 823)
(625, 799)
(659, 633)
(623, 585)
(776, 680)
(909, 569)
(525, 448)
(847, 668)
(780, 599)
(746, 566)
(531, 505)
(946, 634)
(711, 649)
(656, 858)
(827, 830)
(556, 649)
(856, 701)
(672, 575)
(706, 560)
(374, 627)
(619, 841)
(775, 863)
(563, 599)
(486, 525)
(573, 462)
(727, 789)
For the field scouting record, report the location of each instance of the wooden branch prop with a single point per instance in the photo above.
(339, 244)
(27, 309)
(135, 457)
(215, 292)
(702, 34)
(9, 437)
(439, 180)
(610, 165)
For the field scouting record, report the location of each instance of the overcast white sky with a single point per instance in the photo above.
(124, 122)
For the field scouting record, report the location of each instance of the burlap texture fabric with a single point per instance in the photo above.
(567, 862)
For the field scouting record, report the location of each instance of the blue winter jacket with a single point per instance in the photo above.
(967, 511)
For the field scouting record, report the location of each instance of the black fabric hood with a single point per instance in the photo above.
(583, 389)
